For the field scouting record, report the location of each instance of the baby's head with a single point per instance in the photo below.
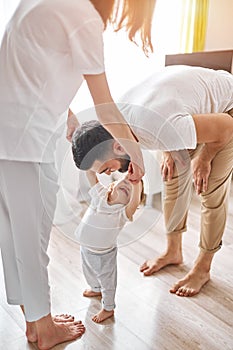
(120, 191)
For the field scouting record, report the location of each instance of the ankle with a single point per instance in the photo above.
(201, 268)
(203, 262)
(44, 325)
(174, 243)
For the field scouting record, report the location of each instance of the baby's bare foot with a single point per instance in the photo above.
(90, 293)
(102, 315)
(154, 265)
(191, 284)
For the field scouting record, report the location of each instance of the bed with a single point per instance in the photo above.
(208, 59)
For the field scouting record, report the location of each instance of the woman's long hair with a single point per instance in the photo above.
(133, 15)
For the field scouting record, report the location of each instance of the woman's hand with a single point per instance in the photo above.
(72, 125)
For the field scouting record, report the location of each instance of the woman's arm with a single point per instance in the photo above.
(111, 118)
(72, 124)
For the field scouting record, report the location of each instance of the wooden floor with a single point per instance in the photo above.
(147, 316)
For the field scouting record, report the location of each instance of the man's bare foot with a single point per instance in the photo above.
(154, 265)
(52, 333)
(191, 284)
(102, 315)
(90, 293)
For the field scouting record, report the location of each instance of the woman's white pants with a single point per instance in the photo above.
(27, 204)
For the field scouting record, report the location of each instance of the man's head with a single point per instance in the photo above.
(94, 148)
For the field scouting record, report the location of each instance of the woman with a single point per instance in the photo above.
(47, 50)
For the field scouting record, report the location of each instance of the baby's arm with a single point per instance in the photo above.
(92, 178)
(134, 200)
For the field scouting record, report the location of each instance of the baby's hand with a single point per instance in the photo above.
(135, 173)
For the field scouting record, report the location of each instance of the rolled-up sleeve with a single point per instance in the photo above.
(178, 133)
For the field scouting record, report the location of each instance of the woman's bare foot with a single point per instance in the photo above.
(51, 333)
(154, 265)
(90, 293)
(191, 284)
(102, 315)
(31, 331)
(63, 318)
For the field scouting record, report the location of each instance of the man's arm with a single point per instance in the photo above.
(215, 131)
(134, 200)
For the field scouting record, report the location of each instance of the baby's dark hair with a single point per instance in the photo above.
(89, 144)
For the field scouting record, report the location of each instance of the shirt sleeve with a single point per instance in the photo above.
(178, 133)
(87, 47)
(97, 190)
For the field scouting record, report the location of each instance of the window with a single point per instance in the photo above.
(126, 63)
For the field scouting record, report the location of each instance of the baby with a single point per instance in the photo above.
(110, 208)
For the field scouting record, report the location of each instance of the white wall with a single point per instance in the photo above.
(7, 7)
(220, 25)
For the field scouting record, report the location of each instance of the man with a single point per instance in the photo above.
(187, 113)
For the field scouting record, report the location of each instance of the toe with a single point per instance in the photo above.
(174, 288)
(191, 292)
(181, 291)
(147, 272)
(143, 267)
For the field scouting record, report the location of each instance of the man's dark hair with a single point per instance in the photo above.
(90, 142)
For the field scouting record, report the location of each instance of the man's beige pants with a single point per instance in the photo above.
(214, 202)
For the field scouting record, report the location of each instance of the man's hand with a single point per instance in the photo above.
(201, 171)
(170, 159)
(72, 125)
(167, 166)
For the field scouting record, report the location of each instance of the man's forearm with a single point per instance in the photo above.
(210, 150)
